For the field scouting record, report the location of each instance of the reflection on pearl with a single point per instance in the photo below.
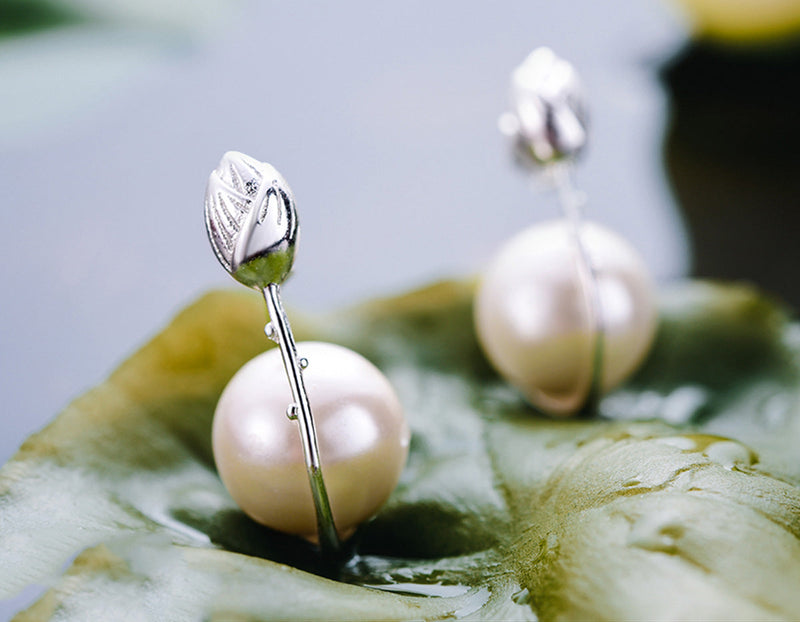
(362, 433)
(533, 318)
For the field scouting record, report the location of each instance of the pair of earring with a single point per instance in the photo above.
(564, 311)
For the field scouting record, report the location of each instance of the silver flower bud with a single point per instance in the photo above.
(251, 220)
(548, 118)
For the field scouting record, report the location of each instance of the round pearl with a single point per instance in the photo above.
(533, 318)
(361, 431)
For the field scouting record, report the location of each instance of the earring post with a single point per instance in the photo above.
(300, 409)
(571, 201)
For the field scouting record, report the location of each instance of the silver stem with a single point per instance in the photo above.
(571, 203)
(301, 410)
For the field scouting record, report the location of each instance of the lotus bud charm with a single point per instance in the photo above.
(251, 220)
(548, 116)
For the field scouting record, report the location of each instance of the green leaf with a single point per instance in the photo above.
(680, 500)
(26, 16)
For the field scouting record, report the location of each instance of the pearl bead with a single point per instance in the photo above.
(361, 431)
(533, 318)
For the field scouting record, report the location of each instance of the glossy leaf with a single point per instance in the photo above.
(680, 500)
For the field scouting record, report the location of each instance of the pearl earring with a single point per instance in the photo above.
(358, 429)
(566, 310)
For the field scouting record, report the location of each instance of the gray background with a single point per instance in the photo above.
(381, 116)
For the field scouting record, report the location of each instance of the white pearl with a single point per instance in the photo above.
(533, 318)
(362, 433)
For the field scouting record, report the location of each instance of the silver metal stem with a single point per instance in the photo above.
(571, 202)
(301, 410)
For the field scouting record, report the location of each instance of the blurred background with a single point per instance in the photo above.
(383, 118)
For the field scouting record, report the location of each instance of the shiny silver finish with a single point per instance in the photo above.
(571, 203)
(300, 411)
(252, 226)
(251, 220)
(548, 114)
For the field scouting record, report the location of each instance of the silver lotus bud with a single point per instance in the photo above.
(251, 220)
(548, 117)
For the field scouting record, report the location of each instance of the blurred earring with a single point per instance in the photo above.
(357, 431)
(566, 309)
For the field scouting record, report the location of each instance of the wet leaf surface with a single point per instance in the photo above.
(679, 500)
